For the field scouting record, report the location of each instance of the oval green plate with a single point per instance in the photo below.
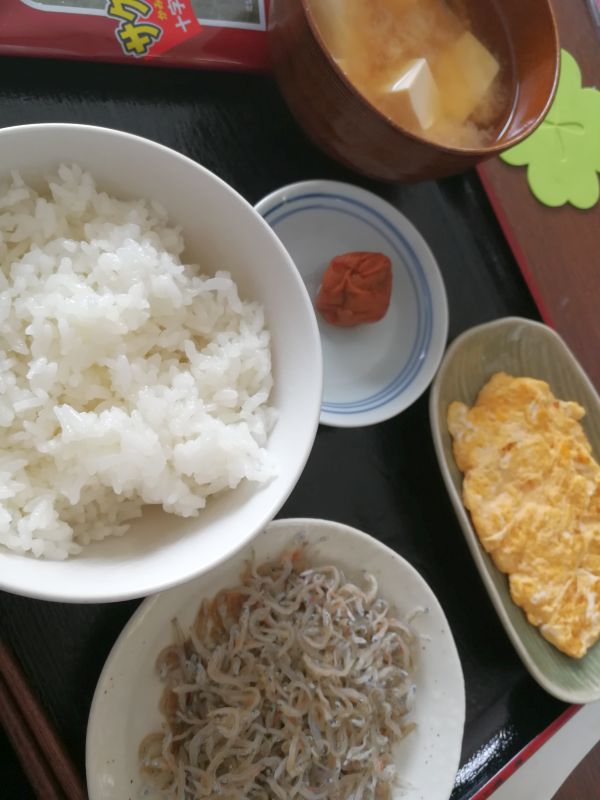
(525, 348)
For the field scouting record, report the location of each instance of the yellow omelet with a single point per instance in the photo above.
(533, 489)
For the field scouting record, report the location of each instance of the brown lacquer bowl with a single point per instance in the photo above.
(340, 120)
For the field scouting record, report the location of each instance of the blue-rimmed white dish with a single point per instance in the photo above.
(373, 371)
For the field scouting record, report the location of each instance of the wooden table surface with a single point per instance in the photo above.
(584, 781)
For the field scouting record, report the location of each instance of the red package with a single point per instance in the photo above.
(227, 34)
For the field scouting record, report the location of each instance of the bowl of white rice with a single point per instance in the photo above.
(160, 366)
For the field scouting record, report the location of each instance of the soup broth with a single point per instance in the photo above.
(421, 64)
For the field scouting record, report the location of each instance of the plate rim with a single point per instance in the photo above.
(433, 277)
(286, 524)
(476, 549)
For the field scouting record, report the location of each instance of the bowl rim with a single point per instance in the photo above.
(479, 152)
(105, 593)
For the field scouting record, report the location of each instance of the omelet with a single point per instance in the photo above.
(532, 487)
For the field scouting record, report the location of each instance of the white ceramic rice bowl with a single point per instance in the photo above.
(221, 231)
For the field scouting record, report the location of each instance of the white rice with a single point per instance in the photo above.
(126, 377)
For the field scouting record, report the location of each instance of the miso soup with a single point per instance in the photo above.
(421, 64)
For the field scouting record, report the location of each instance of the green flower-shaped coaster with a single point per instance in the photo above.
(563, 154)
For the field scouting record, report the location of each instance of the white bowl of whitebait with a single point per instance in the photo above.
(316, 663)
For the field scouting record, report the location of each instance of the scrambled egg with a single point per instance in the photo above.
(533, 489)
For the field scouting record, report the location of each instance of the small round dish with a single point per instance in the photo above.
(371, 372)
(126, 703)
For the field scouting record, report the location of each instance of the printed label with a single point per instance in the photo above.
(226, 13)
(150, 27)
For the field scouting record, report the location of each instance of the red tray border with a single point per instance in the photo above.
(524, 755)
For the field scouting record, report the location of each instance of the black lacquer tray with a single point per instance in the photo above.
(383, 479)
